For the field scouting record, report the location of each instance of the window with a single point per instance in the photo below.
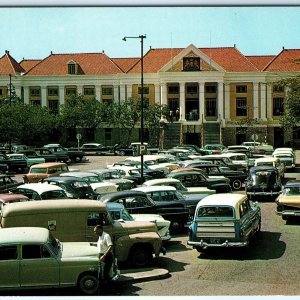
(210, 107)
(35, 92)
(241, 106)
(244, 208)
(277, 106)
(210, 89)
(35, 102)
(71, 91)
(107, 91)
(1, 92)
(89, 91)
(95, 218)
(216, 212)
(71, 69)
(241, 89)
(52, 91)
(145, 90)
(108, 134)
(278, 89)
(173, 89)
(192, 89)
(8, 252)
(53, 106)
(35, 251)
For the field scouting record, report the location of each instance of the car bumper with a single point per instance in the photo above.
(263, 193)
(288, 213)
(223, 245)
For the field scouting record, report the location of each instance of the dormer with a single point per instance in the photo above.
(72, 67)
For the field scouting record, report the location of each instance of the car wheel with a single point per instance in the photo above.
(236, 184)
(201, 249)
(77, 159)
(285, 218)
(141, 256)
(88, 284)
(122, 153)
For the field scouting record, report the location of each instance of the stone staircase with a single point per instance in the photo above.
(172, 135)
(211, 133)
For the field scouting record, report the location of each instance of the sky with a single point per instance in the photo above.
(33, 32)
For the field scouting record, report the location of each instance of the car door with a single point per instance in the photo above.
(38, 267)
(9, 267)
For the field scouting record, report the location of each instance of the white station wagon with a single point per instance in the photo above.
(30, 257)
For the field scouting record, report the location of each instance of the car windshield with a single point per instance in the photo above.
(291, 191)
(215, 212)
(38, 170)
(92, 179)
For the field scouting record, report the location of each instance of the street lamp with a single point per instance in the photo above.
(141, 37)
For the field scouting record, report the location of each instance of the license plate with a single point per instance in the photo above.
(215, 241)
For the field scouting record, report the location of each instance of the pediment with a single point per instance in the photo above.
(191, 59)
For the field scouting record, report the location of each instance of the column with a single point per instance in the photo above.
(43, 96)
(201, 102)
(263, 101)
(220, 102)
(255, 100)
(269, 102)
(164, 99)
(98, 92)
(129, 91)
(79, 90)
(182, 101)
(227, 101)
(116, 93)
(26, 95)
(122, 92)
(157, 94)
(61, 95)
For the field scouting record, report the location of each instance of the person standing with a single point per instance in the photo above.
(105, 247)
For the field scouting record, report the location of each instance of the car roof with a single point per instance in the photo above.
(39, 187)
(48, 165)
(263, 168)
(63, 179)
(156, 188)
(23, 235)
(121, 194)
(160, 180)
(11, 197)
(266, 159)
(226, 199)
(78, 174)
(229, 154)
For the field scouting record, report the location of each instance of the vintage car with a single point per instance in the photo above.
(32, 258)
(116, 177)
(76, 188)
(199, 179)
(12, 165)
(8, 183)
(94, 181)
(95, 148)
(224, 220)
(131, 150)
(41, 152)
(288, 203)
(263, 182)
(177, 184)
(11, 198)
(213, 148)
(237, 178)
(137, 202)
(238, 158)
(119, 213)
(287, 158)
(29, 160)
(271, 162)
(45, 170)
(41, 191)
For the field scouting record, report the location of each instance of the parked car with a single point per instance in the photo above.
(116, 177)
(94, 181)
(42, 152)
(288, 202)
(237, 178)
(287, 158)
(41, 191)
(16, 148)
(76, 188)
(95, 148)
(138, 202)
(213, 148)
(131, 150)
(8, 183)
(64, 154)
(32, 258)
(199, 179)
(263, 182)
(191, 147)
(238, 158)
(119, 213)
(12, 165)
(30, 161)
(177, 184)
(271, 162)
(224, 220)
(45, 170)
(11, 198)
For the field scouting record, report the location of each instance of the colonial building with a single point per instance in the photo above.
(208, 91)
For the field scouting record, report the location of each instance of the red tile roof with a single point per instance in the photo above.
(229, 58)
(27, 64)
(125, 63)
(9, 65)
(89, 64)
(261, 61)
(288, 60)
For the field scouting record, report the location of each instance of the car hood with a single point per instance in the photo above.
(136, 226)
(289, 200)
(195, 197)
(79, 250)
(151, 218)
(200, 190)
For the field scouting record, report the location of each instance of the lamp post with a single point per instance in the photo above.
(141, 37)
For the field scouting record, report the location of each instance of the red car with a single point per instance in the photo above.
(11, 198)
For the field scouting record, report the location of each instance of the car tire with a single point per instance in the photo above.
(201, 249)
(141, 256)
(122, 153)
(236, 184)
(77, 159)
(88, 284)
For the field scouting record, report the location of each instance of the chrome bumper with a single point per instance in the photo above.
(225, 244)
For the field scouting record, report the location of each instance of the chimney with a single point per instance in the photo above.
(6, 52)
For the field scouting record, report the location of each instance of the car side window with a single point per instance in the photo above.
(8, 253)
(35, 251)
(244, 208)
(95, 218)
